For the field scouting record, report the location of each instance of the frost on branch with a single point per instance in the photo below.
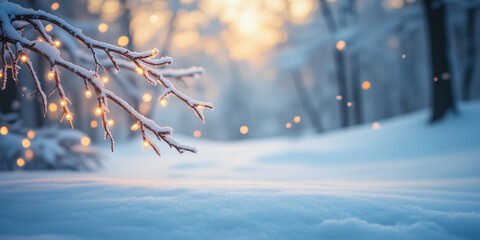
(15, 50)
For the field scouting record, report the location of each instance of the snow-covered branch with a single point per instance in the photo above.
(14, 19)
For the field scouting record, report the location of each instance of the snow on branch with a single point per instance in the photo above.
(14, 19)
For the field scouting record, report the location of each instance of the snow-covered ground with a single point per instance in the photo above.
(407, 180)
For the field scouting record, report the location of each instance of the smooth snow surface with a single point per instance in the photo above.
(407, 180)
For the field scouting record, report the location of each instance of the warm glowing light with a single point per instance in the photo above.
(52, 107)
(339, 97)
(349, 104)
(40, 39)
(26, 143)
(123, 41)
(63, 103)
(57, 43)
(187, 1)
(403, 56)
(163, 102)
(139, 70)
(69, 116)
(145, 144)
(102, 27)
(376, 125)
(50, 75)
(85, 141)
(366, 85)
(49, 27)
(31, 134)
(147, 97)
(110, 122)
(94, 124)
(200, 106)
(29, 154)
(197, 133)
(243, 129)
(24, 58)
(153, 18)
(55, 6)
(288, 125)
(88, 93)
(134, 127)
(435, 79)
(20, 162)
(98, 111)
(4, 130)
(397, 3)
(341, 45)
(1, 74)
(297, 119)
(105, 79)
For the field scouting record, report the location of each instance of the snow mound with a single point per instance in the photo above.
(407, 180)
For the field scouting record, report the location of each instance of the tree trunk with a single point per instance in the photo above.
(356, 89)
(471, 50)
(443, 100)
(340, 65)
(306, 101)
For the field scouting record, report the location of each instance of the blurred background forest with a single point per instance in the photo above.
(278, 67)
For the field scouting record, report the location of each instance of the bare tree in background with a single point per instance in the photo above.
(443, 100)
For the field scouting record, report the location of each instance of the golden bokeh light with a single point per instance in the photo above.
(52, 107)
(31, 134)
(29, 154)
(68, 116)
(297, 119)
(26, 143)
(339, 97)
(57, 43)
(197, 133)
(243, 129)
(341, 45)
(376, 125)
(366, 85)
(85, 141)
(102, 27)
(55, 6)
(147, 97)
(20, 162)
(110, 122)
(288, 125)
(49, 27)
(144, 108)
(145, 144)
(4, 130)
(93, 124)
(123, 41)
